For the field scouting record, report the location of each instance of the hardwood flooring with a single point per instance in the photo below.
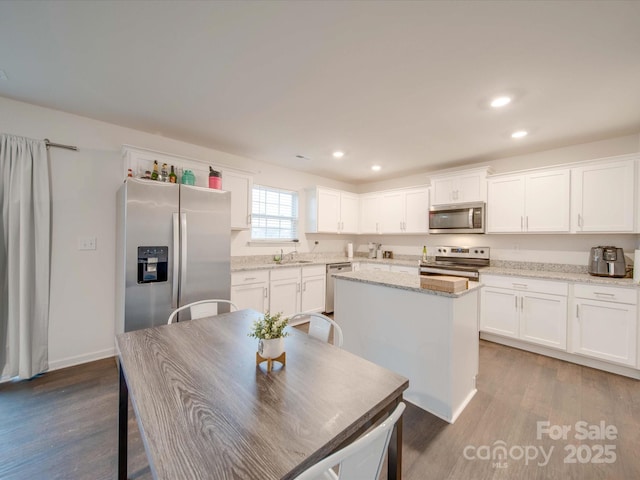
(63, 425)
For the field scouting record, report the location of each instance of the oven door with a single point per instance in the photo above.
(462, 218)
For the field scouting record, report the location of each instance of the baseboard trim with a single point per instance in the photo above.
(562, 355)
(79, 359)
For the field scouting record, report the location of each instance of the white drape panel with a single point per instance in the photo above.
(25, 256)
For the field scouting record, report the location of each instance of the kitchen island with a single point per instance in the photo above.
(428, 336)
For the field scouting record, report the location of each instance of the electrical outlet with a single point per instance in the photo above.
(86, 243)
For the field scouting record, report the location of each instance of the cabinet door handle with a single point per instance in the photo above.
(516, 303)
(249, 219)
(304, 286)
(603, 294)
(579, 220)
(249, 278)
(522, 304)
(266, 292)
(526, 222)
(578, 311)
(298, 286)
(519, 285)
(377, 231)
(521, 223)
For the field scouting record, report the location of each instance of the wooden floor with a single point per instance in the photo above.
(62, 425)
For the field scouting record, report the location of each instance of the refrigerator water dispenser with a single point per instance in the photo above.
(152, 264)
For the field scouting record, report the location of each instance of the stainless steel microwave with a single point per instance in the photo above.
(458, 218)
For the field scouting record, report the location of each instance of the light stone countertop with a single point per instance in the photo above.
(403, 281)
(260, 262)
(545, 271)
(575, 277)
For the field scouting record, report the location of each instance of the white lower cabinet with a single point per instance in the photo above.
(285, 286)
(531, 310)
(296, 290)
(314, 284)
(404, 269)
(604, 323)
(250, 289)
(375, 266)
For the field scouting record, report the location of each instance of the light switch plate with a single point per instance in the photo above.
(86, 243)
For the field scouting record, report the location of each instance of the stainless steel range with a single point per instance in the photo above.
(458, 261)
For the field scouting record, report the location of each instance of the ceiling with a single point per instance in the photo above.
(404, 85)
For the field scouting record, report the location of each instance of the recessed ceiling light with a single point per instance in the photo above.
(500, 102)
(338, 154)
(376, 168)
(519, 134)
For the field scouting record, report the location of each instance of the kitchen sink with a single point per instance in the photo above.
(294, 262)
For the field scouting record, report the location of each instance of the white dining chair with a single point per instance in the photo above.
(320, 327)
(202, 308)
(361, 459)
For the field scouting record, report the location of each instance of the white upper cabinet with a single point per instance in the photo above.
(370, 212)
(237, 182)
(416, 208)
(602, 197)
(533, 202)
(460, 187)
(405, 211)
(332, 211)
(240, 186)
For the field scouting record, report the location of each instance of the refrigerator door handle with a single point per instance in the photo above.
(176, 263)
(183, 251)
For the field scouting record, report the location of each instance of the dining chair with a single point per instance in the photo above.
(361, 459)
(320, 327)
(202, 308)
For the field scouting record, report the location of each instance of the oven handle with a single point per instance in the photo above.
(426, 271)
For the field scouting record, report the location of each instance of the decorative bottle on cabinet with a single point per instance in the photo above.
(154, 174)
(172, 176)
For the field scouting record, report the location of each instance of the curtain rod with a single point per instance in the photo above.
(59, 145)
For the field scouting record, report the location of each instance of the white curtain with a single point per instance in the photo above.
(25, 254)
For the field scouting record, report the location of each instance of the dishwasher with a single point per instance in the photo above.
(332, 268)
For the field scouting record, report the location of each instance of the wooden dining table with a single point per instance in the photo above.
(205, 410)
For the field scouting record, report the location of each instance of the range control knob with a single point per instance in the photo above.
(481, 251)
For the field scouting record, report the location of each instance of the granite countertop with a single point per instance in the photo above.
(260, 262)
(545, 271)
(567, 273)
(403, 281)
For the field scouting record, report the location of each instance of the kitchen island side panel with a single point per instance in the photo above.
(417, 335)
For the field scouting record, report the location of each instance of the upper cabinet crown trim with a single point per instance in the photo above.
(129, 149)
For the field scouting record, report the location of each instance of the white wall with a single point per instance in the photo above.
(84, 186)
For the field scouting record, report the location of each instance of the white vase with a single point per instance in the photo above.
(271, 348)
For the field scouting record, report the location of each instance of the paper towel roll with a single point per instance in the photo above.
(349, 250)
(636, 266)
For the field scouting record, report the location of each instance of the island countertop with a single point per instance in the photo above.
(403, 281)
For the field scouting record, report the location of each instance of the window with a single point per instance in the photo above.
(274, 214)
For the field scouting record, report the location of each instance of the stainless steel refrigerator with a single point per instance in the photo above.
(173, 248)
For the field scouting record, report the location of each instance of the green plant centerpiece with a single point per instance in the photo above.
(269, 327)
(270, 332)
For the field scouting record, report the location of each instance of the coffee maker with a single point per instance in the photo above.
(607, 261)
